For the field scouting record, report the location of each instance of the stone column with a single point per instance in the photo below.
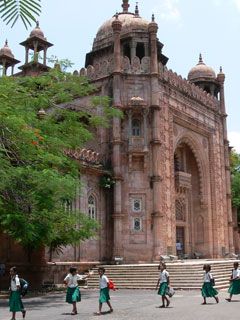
(116, 141)
(133, 50)
(4, 68)
(221, 79)
(26, 54)
(45, 56)
(35, 57)
(156, 144)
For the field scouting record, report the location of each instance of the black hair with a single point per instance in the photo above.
(101, 269)
(72, 269)
(14, 269)
(207, 266)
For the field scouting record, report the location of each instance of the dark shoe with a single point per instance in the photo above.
(24, 314)
(228, 299)
(217, 300)
(168, 303)
(162, 306)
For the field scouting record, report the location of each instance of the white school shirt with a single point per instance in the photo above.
(236, 273)
(103, 282)
(163, 276)
(207, 277)
(72, 280)
(14, 283)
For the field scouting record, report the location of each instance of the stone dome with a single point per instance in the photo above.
(201, 71)
(130, 23)
(6, 51)
(37, 32)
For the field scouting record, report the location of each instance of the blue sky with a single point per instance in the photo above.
(186, 28)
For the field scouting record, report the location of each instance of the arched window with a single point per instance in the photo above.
(140, 51)
(92, 207)
(127, 51)
(180, 208)
(136, 127)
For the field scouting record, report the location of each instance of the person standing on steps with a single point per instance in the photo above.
(179, 249)
(104, 291)
(15, 301)
(234, 287)
(73, 294)
(208, 283)
(164, 284)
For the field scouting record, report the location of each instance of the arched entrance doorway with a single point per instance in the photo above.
(189, 215)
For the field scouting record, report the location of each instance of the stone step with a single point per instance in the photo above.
(182, 275)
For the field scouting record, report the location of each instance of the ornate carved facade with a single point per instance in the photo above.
(169, 154)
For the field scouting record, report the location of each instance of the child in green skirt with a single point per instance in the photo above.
(234, 287)
(164, 284)
(104, 291)
(15, 301)
(73, 293)
(207, 287)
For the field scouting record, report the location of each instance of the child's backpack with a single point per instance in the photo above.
(111, 285)
(24, 286)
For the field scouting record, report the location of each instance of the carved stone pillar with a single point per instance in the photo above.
(221, 79)
(116, 141)
(133, 50)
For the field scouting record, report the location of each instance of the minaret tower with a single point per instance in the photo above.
(116, 139)
(7, 59)
(36, 42)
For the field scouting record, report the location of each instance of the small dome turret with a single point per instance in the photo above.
(37, 32)
(201, 72)
(6, 51)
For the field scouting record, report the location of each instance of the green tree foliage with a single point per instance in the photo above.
(26, 10)
(235, 173)
(38, 180)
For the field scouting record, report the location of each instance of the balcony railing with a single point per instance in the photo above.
(183, 180)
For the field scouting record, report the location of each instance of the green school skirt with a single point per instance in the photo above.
(104, 295)
(163, 289)
(73, 295)
(208, 290)
(15, 301)
(234, 287)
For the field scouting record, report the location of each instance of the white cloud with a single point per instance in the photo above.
(168, 10)
(234, 139)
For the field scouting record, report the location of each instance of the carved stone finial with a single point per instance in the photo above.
(6, 43)
(200, 58)
(37, 24)
(220, 70)
(136, 10)
(153, 18)
(125, 6)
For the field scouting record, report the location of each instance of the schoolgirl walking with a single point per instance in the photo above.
(164, 285)
(234, 287)
(73, 294)
(15, 301)
(207, 288)
(104, 291)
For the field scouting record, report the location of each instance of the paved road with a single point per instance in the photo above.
(129, 304)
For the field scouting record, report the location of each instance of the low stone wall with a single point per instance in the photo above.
(56, 272)
(38, 275)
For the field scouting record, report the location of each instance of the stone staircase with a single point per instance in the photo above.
(183, 275)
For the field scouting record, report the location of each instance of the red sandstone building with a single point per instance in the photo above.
(169, 154)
